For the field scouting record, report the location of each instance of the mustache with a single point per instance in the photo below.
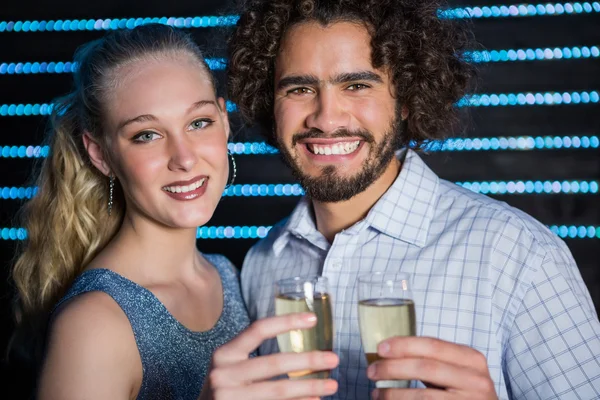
(364, 134)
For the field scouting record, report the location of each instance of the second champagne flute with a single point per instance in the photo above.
(305, 294)
(385, 309)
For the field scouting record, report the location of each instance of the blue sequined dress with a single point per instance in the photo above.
(175, 360)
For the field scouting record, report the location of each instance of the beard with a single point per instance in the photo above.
(330, 186)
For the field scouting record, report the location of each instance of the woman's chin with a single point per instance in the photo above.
(188, 221)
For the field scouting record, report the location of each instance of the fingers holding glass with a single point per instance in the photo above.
(235, 375)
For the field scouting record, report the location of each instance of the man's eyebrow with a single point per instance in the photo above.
(346, 77)
(297, 80)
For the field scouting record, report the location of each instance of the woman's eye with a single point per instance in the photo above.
(201, 123)
(146, 137)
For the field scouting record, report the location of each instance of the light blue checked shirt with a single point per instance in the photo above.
(484, 274)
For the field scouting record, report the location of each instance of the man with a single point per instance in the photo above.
(502, 311)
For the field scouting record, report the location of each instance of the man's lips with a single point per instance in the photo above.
(336, 148)
(331, 150)
(330, 141)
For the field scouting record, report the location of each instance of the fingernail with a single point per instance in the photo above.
(375, 395)
(384, 348)
(310, 317)
(371, 371)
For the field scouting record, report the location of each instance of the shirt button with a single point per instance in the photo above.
(336, 263)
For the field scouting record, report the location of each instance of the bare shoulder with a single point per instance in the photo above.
(91, 351)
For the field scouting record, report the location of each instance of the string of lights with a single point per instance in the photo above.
(486, 12)
(521, 10)
(218, 64)
(529, 99)
(477, 100)
(43, 109)
(111, 24)
(520, 143)
(67, 67)
(293, 189)
(259, 232)
(530, 54)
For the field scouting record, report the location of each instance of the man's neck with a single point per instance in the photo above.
(332, 218)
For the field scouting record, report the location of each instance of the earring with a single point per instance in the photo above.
(111, 186)
(234, 170)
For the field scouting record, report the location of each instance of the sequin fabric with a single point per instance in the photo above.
(175, 360)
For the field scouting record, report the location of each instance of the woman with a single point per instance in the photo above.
(139, 160)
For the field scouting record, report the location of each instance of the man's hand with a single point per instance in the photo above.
(449, 370)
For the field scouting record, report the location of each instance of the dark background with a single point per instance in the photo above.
(559, 75)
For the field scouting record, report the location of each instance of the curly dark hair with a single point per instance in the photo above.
(425, 55)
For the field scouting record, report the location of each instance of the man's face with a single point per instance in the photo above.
(336, 119)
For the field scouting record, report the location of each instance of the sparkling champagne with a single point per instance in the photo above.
(319, 337)
(380, 319)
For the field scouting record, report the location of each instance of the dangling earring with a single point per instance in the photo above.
(111, 186)
(234, 170)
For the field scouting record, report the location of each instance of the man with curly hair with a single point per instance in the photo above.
(347, 89)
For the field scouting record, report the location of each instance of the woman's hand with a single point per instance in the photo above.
(235, 376)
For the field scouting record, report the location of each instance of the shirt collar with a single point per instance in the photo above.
(404, 211)
(300, 223)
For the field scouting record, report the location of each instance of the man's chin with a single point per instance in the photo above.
(324, 171)
(331, 193)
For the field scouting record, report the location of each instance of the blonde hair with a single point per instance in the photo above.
(67, 220)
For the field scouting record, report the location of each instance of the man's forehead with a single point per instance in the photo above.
(335, 36)
(326, 52)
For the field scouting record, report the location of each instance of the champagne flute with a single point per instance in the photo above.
(385, 309)
(305, 294)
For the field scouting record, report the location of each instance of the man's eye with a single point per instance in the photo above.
(357, 86)
(146, 137)
(302, 90)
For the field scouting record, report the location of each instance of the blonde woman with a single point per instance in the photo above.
(110, 275)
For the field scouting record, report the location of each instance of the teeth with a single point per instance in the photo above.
(185, 189)
(338, 148)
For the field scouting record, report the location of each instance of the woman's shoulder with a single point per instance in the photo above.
(92, 318)
(91, 342)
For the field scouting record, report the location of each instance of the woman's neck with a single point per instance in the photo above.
(149, 253)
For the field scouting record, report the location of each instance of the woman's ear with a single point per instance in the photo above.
(96, 153)
(224, 115)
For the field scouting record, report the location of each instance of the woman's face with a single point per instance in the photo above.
(168, 143)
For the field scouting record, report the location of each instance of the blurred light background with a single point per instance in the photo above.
(532, 141)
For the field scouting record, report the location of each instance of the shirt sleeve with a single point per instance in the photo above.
(553, 349)
(248, 281)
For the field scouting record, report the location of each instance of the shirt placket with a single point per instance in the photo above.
(342, 276)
